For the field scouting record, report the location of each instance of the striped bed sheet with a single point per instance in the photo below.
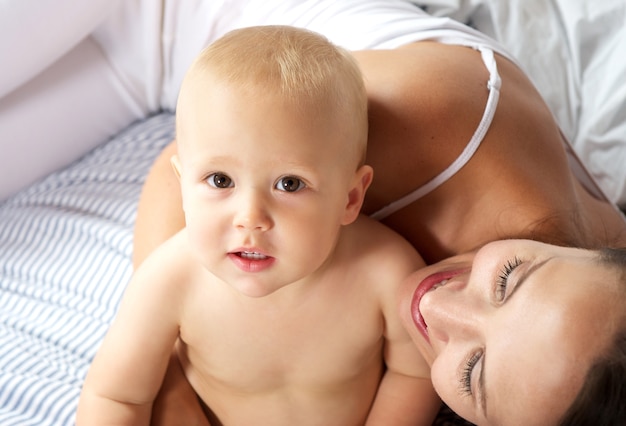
(65, 246)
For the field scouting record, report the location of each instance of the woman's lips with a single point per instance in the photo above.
(424, 287)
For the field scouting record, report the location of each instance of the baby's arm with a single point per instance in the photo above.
(405, 395)
(129, 367)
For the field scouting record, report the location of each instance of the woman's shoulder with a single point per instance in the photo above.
(426, 101)
(423, 72)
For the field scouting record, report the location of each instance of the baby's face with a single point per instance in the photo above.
(265, 188)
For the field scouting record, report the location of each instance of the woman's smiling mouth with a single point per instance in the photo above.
(429, 283)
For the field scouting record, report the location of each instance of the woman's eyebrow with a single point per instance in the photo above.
(482, 392)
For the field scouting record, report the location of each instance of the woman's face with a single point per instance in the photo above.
(511, 330)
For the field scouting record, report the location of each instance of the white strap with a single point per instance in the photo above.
(493, 85)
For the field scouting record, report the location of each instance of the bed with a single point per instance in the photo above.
(66, 241)
(65, 246)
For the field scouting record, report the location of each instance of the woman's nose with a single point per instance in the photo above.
(453, 314)
(252, 212)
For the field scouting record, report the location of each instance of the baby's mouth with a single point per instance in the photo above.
(252, 255)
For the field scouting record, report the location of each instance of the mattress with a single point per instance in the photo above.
(65, 247)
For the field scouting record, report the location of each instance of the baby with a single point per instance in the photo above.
(278, 297)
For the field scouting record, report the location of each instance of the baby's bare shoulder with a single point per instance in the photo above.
(379, 252)
(171, 264)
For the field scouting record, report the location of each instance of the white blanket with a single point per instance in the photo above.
(575, 53)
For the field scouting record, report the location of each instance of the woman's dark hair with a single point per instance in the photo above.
(602, 399)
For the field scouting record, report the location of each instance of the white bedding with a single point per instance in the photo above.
(575, 53)
(65, 246)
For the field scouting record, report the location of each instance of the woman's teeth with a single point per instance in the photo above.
(439, 284)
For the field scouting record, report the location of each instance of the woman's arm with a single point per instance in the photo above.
(160, 211)
(177, 402)
(34, 34)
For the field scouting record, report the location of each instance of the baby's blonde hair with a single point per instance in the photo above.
(313, 74)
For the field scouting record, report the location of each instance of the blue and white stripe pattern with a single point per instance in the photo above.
(65, 246)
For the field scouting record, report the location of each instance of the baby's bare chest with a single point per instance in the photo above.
(317, 345)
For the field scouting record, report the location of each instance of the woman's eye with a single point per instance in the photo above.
(468, 368)
(219, 180)
(503, 277)
(290, 184)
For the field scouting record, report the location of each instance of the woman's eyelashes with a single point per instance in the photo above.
(502, 281)
(501, 285)
(467, 372)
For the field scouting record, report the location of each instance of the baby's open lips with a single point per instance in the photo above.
(252, 255)
(250, 259)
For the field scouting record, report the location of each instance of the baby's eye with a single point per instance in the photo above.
(290, 184)
(220, 180)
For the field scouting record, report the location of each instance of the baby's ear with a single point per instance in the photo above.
(362, 180)
(175, 162)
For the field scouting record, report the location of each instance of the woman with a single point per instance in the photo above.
(483, 319)
(426, 102)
